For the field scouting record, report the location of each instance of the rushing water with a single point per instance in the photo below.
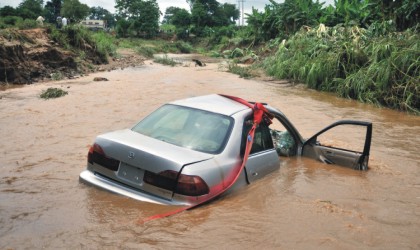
(304, 205)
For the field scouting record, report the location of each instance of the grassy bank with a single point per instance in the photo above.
(148, 48)
(355, 63)
(369, 65)
(95, 45)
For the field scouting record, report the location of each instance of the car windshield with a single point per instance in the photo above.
(187, 127)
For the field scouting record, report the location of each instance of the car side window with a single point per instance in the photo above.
(262, 137)
(284, 142)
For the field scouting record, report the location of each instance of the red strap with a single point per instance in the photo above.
(260, 112)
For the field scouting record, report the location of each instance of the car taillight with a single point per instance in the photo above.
(97, 155)
(190, 185)
(165, 179)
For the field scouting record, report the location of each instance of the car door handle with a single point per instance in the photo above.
(330, 153)
(325, 160)
(328, 161)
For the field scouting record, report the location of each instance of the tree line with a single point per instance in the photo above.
(133, 18)
(284, 19)
(140, 18)
(25, 14)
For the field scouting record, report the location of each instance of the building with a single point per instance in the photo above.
(94, 24)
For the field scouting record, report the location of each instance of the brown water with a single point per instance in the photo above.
(304, 205)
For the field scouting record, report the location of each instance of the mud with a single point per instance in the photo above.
(304, 205)
(30, 56)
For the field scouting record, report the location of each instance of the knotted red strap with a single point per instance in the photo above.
(260, 113)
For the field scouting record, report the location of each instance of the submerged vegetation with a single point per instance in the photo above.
(242, 71)
(165, 60)
(53, 93)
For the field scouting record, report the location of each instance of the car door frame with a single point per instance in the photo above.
(331, 155)
(263, 161)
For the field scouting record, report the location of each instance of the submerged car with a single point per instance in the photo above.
(186, 151)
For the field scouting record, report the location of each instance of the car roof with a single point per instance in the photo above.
(212, 103)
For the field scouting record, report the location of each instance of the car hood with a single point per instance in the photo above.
(147, 153)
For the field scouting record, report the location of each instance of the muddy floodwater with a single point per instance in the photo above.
(304, 205)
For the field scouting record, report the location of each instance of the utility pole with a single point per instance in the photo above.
(239, 7)
(243, 1)
(241, 14)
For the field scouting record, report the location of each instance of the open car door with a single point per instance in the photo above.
(329, 152)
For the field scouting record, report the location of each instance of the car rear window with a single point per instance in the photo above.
(187, 127)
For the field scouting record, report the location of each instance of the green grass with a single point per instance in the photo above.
(243, 72)
(53, 93)
(76, 38)
(157, 46)
(105, 42)
(354, 63)
(57, 76)
(165, 60)
(145, 51)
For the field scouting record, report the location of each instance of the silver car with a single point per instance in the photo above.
(186, 151)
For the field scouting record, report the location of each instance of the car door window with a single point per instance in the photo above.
(263, 158)
(335, 144)
(284, 142)
(262, 137)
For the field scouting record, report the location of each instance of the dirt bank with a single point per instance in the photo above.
(29, 56)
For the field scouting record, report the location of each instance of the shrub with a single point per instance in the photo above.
(354, 63)
(165, 60)
(11, 20)
(184, 47)
(57, 76)
(243, 72)
(105, 42)
(53, 93)
(80, 38)
(27, 24)
(145, 51)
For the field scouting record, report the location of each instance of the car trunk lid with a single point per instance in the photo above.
(139, 154)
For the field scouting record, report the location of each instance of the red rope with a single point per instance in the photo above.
(260, 113)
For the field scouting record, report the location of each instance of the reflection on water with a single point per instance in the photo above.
(304, 205)
(4, 87)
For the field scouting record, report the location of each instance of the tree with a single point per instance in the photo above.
(210, 13)
(202, 13)
(52, 10)
(190, 3)
(403, 13)
(8, 11)
(99, 13)
(349, 12)
(293, 14)
(407, 14)
(284, 19)
(230, 12)
(142, 16)
(180, 19)
(30, 9)
(74, 10)
(177, 16)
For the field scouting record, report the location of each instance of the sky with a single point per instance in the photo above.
(163, 4)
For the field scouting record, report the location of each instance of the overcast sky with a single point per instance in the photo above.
(163, 4)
